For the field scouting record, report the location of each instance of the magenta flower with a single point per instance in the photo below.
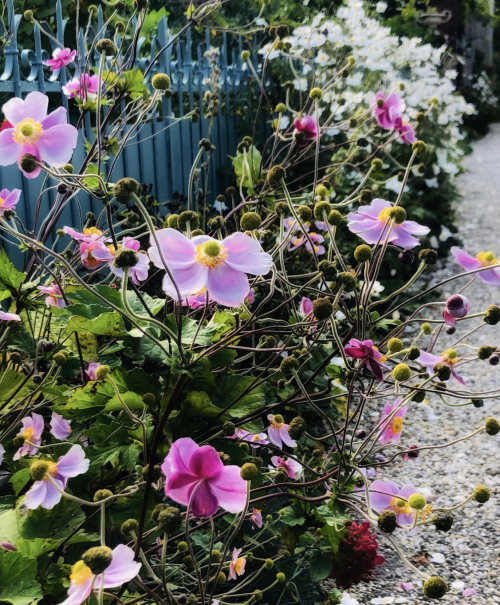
(278, 432)
(305, 130)
(290, 224)
(196, 475)
(366, 350)
(292, 467)
(256, 518)
(370, 222)
(59, 427)
(90, 234)
(457, 306)
(239, 434)
(8, 199)
(9, 316)
(406, 132)
(392, 108)
(392, 429)
(82, 87)
(121, 570)
(55, 298)
(250, 298)
(317, 240)
(32, 431)
(412, 454)
(44, 493)
(203, 262)
(139, 272)
(199, 299)
(237, 565)
(428, 360)
(60, 58)
(7, 546)
(48, 137)
(256, 439)
(94, 253)
(91, 370)
(306, 308)
(391, 499)
(483, 259)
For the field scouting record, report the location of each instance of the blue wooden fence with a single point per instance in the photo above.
(157, 155)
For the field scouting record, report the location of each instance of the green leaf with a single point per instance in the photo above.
(254, 159)
(231, 387)
(92, 182)
(320, 565)
(20, 479)
(292, 518)
(90, 318)
(10, 383)
(189, 329)
(199, 404)
(18, 573)
(10, 277)
(132, 400)
(333, 536)
(132, 83)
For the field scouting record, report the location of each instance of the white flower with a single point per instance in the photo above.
(346, 599)
(301, 84)
(381, 7)
(220, 206)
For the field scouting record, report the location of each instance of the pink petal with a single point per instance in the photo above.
(78, 593)
(468, 262)
(60, 427)
(53, 495)
(122, 569)
(57, 117)
(490, 276)
(203, 501)
(287, 440)
(378, 501)
(56, 144)
(189, 281)
(180, 486)
(34, 106)
(179, 456)
(406, 586)
(230, 489)
(227, 286)
(36, 495)
(9, 149)
(428, 359)
(73, 463)
(408, 490)
(9, 316)
(275, 436)
(245, 254)
(468, 592)
(178, 251)
(206, 463)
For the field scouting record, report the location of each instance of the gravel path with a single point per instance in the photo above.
(469, 555)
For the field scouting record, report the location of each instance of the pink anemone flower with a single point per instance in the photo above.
(483, 259)
(317, 240)
(256, 518)
(428, 360)
(121, 570)
(305, 130)
(60, 58)
(290, 224)
(239, 434)
(370, 223)
(366, 350)
(196, 476)
(390, 499)
(48, 137)
(32, 431)
(44, 493)
(5, 124)
(8, 199)
(237, 565)
(55, 297)
(82, 87)
(91, 370)
(139, 272)
(9, 316)
(90, 234)
(412, 454)
(94, 253)
(292, 467)
(306, 310)
(278, 432)
(406, 132)
(195, 301)
(203, 262)
(391, 430)
(256, 439)
(389, 112)
(59, 427)
(457, 306)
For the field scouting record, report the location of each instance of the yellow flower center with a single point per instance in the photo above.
(2, 201)
(425, 512)
(52, 470)
(397, 425)
(277, 424)
(80, 573)
(210, 254)
(255, 438)
(238, 565)
(384, 214)
(450, 356)
(383, 359)
(487, 258)
(27, 132)
(27, 433)
(92, 231)
(399, 506)
(112, 249)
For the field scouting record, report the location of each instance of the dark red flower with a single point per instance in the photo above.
(357, 556)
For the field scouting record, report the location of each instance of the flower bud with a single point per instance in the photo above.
(482, 494)
(281, 475)
(275, 175)
(316, 94)
(406, 257)
(426, 329)
(387, 521)
(377, 164)
(125, 258)
(98, 558)
(205, 144)
(28, 163)
(280, 108)
(15, 357)
(420, 147)
(244, 446)
(216, 556)
(322, 191)
(485, 352)
(105, 47)
(398, 214)
(305, 213)
(435, 588)
(428, 256)
(62, 188)
(362, 142)
(322, 308)
(182, 546)
(172, 221)
(420, 117)
(366, 197)
(188, 216)
(102, 372)
(347, 281)
(216, 223)
(335, 218)
(477, 403)
(250, 221)
(59, 358)
(401, 372)
(192, 600)
(39, 469)
(417, 501)
(69, 168)
(492, 426)
(395, 345)
(322, 208)
(102, 494)
(443, 521)
(182, 599)
(328, 268)
(129, 527)
(297, 428)
(149, 399)
(280, 577)
(249, 471)
(221, 578)
(418, 396)
(494, 359)
(28, 15)
(188, 562)
(156, 472)
(288, 365)
(170, 520)
(257, 460)
(269, 564)
(492, 315)
(258, 595)
(442, 370)
(363, 253)
(228, 428)
(161, 82)
(451, 330)
(123, 189)
(245, 55)
(18, 441)
(282, 208)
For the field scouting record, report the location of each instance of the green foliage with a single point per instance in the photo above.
(18, 573)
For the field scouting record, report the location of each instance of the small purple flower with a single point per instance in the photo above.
(32, 431)
(256, 518)
(90, 234)
(305, 130)
(317, 240)
(483, 259)
(386, 495)
(9, 316)
(370, 223)
(292, 467)
(60, 58)
(82, 87)
(278, 432)
(429, 361)
(256, 439)
(8, 199)
(366, 350)
(59, 427)
(457, 306)
(392, 429)
(55, 297)
(390, 111)
(406, 132)
(138, 272)
(44, 493)
(91, 370)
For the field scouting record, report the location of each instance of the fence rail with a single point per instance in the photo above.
(163, 149)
